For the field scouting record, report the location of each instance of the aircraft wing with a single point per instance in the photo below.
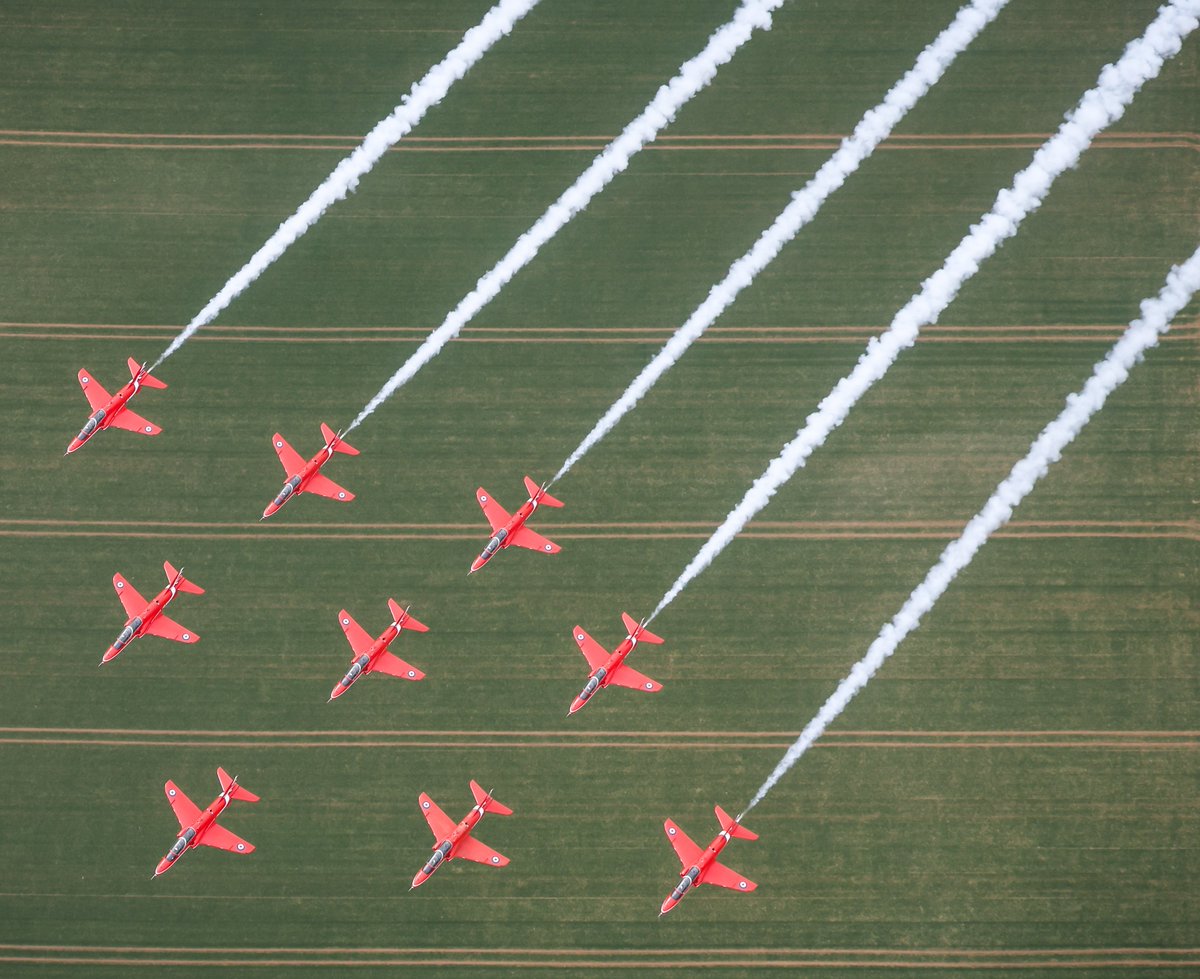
(167, 628)
(524, 537)
(292, 462)
(222, 839)
(441, 824)
(324, 486)
(385, 662)
(360, 640)
(96, 395)
(470, 848)
(627, 676)
(592, 651)
(496, 515)
(688, 852)
(130, 598)
(722, 876)
(131, 421)
(186, 811)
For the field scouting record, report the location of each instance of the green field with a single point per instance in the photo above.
(1017, 792)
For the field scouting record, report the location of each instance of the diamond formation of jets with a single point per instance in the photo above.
(306, 477)
(371, 655)
(611, 669)
(148, 618)
(112, 410)
(454, 842)
(509, 529)
(701, 866)
(198, 828)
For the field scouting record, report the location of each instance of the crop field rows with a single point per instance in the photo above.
(1017, 792)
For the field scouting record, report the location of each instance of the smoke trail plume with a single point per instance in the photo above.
(693, 76)
(1107, 376)
(1099, 108)
(425, 94)
(874, 127)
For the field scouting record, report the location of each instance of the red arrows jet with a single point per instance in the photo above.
(701, 866)
(305, 477)
(510, 529)
(198, 828)
(608, 669)
(372, 654)
(112, 410)
(147, 618)
(454, 842)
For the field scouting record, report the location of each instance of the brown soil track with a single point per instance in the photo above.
(572, 958)
(857, 335)
(764, 530)
(696, 740)
(572, 144)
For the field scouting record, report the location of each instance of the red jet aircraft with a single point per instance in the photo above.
(112, 410)
(198, 828)
(147, 618)
(608, 669)
(701, 866)
(510, 529)
(454, 842)
(305, 477)
(372, 654)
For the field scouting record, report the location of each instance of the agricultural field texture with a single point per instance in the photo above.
(1014, 792)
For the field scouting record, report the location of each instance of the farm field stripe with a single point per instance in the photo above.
(872, 129)
(693, 76)
(1098, 108)
(425, 94)
(784, 142)
(1182, 283)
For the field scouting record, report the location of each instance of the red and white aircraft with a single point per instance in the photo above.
(608, 669)
(372, 654)
(198, 828)
(112, 410)
(305, 477)
(455, 842)
(509, 529)
(147, 618)
(701, 866)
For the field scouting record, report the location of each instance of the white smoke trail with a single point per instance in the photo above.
(874, 127)
(693, 76)
(1107, 376)
(1099, 108)
(425, 94)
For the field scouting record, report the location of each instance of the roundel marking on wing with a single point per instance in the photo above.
(83, 380)
(579, 638)
(279, 445)
(341, 496)
(412, 673)
(649, 686)
(187, 636)
(171, 793)
(549, 547)
(345, 621)
(241, 846)
(149, 428)
(742, 884)
(120, 584)
(671, 831)
(495, 859)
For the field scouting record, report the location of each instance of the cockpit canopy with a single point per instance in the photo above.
(494, 544)
(92, 423)
(288, 489)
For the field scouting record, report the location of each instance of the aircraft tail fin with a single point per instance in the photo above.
(489, 804)
(238, 792)
(729, 823)
(546, 499)
(329, 435)
(184, 584)
(645, 636)
(409, 621)
(148, 381)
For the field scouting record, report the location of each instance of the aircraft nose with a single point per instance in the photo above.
(163, 866)
(110, 654)
(666, 906)
(336, 692)
(576, 704)
(419, 879)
